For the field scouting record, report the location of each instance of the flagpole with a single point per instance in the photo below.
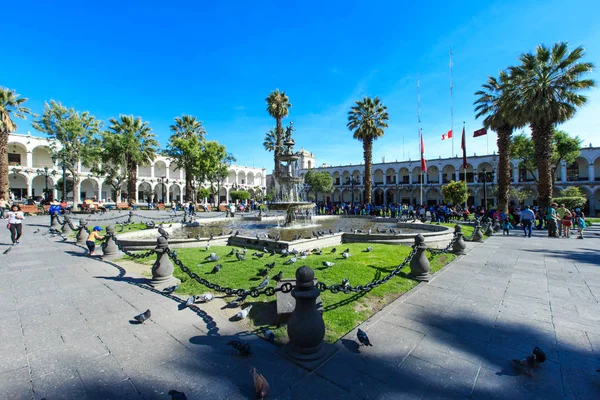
(451, 107)
(420, 132)
(465, 168)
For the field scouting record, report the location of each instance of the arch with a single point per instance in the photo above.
(88, 189)
(250, 178)
(578, 170)
(336, 196)
(434, 196)
(223, 195)
(337, 179)
(404, 196)
(345, 178)
(145, 192)
(160, 192)
(108, 192)
(175, 193)
(258, 179)
(42, 157)
(378, 196)
(17, 154)
(39, 185)
(390, 196)
(17, 184)
(448, 173)
(433, 174)
(231, 177)
(390, 176)
(378, 177)
(416, 175)
(595, 203)
(241, 178)
(160, 169)
(174, 172)
(404, 174)
(357, 175)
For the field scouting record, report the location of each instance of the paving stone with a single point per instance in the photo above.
(61, 384)
(16, 384)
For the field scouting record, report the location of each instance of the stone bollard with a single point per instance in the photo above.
(477, 235)
(489, 231)
(419, 265)
(82, 232)
(110, 249)
(162, 270)
(459, 245)
(130, 218)
(305, 325)
(54, 221)
(66, 228)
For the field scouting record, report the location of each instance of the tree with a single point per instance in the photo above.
(213, 166)
(572, 198)
(138, 146)
(270, 144)
(491, 103)
(516, 195)
(59, 185)
(76, 133)
(185, 147)
(564, 148)
(319, 182)
(367, 119)
(278, 105)
(203, 193)
(455, 192)
(10, 108)
(544, 93)
(240, 195)
(110, 162)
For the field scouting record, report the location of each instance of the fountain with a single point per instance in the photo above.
(289, 194)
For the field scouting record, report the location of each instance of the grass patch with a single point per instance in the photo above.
(342, 313)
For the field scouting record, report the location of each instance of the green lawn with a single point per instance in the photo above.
(343, 312)
(127, 228)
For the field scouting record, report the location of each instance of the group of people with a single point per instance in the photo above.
(560, 221)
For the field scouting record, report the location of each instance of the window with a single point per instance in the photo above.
(573, 172)
(14, 159)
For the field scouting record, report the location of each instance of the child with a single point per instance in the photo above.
(91, 239)
(566, 223)
(581, 225)
(506, 227)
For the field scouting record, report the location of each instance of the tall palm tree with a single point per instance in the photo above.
(545, 93)
(270, 143)
(187, 127)
(10, 107)
(491, 103)
(367, 119)
(138, 145)
(278, 105)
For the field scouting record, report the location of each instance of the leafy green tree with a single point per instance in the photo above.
(270, 144)
(455, 193)
(185, 147)
(563, 148)
(77, 135)
(240, 195)
(572, 198)
(214, 166)
(278, 105)
(319, 182)
(59, 185)
(138, 145)
(545, 91)
(203, 193)
(11, 107)
(490, 103)
(109, 162)
(516, 195)
(367, 119)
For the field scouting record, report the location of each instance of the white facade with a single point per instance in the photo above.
(399, 182)
(29, 155)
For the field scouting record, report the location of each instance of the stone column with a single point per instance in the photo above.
(29, 157)
(516, 174)
(137, 192)
(29, 187)
(457, 173)
(162, 270)
(110, 249)
(99, 190)
(152, 171)
(591, 177)
(440, 177)
(563, 172)
(419, 265)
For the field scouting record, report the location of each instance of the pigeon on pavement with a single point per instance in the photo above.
(36, 231)
(269, 335)
(237, 301)
(531, 361)
(242, 347)
(190, 301)
(143, 316)
(244, 313)
(363, 338)
(261, 386)
(205, 298)
(175, 395)
(7, 250)
(171, 289)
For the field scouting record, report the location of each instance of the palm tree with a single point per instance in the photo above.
(138, 145)
(545, 93)
(491, 104)
(10, 107)
(270, 143)
(367, 119)
(187, 127)
(278, 105)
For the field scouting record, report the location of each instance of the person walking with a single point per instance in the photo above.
(15, 223)
(90, 242)
(560, 212)
(566, 222)
(506, 227)
(527, 218)
(551, 220)
(3, 206)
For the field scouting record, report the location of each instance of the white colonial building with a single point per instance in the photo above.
(31, 171)
(400, 182)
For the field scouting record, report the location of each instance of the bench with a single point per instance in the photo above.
(46, 208)
(31, 209)
(223, 207)
(160, 206)
(122, 206)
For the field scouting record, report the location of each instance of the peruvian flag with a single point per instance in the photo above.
(447, 135)
(423, 162)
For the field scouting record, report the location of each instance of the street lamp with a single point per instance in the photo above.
(163, 180)
(354, 182)
(485, 186)
(44, 173)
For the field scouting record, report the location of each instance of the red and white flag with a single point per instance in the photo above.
(447, 135)
(423, 162)
(480, 132)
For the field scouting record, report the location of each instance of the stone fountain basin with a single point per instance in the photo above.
(146, 239)
(284, 206)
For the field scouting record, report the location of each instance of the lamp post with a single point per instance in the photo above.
(353, 182)
(162, 181)
(44, 172)
(485, 186)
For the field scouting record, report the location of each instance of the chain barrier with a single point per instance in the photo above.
(122, 248)
(447, 249)
(172, 216)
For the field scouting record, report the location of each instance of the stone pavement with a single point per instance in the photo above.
(66, 331)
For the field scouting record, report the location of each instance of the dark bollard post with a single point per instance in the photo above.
(66, 226)
(459, 245)
(489, 231)
(162, 270)
(82, 232)
(109, 248)
(54, 221)
(130, 218)
(305, 326)
(419, 265)
(477, 235)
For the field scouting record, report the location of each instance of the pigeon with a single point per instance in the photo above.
(236, 233)
(328, 263)
(257, 237)
(345, 282)
(7, 250)
(175, 395)
(318, 252)
(36, 231)
(285, 253)
(263, 284)
(190, 301)
(237, 301)
(333, 250)
(290, 261)
(242, 347)
(163, 232)
(340, 230)
(64, 238)
(278, 277)
(232, 252)
(269, 335)
(532, 361)
(261, 386)
(171, 289)
(277, 238)
(294, 251)
(330, 232)
(244, 313)
(270, 265)
(315, 234)
(240, 257)
(369, 231)
(217, 268)
(205, 298)
(245, 251)
(231, 232)
(369, 249)
(347, 250)
(212, 257)
(263, 272)
(143, 316)
(259, 255)
(346, 255)
(198, 237)
(211, 237)
(363, 338)
(265, 250)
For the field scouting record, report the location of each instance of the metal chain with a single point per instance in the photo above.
(157, 218)
(447, 249)
(122, 248)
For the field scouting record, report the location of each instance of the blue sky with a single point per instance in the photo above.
(220, 60)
